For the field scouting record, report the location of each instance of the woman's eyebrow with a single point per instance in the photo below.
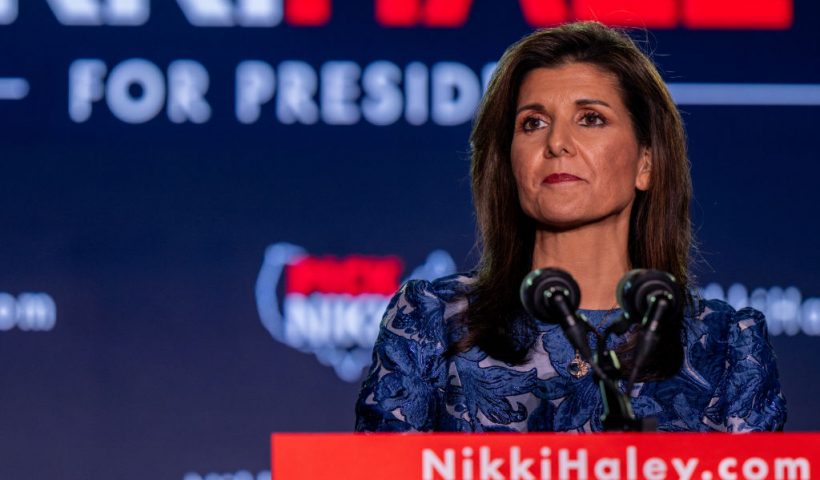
(531, 106)
(582, 102)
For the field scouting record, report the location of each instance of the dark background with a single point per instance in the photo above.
(149, 237)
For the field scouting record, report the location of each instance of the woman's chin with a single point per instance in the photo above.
(563, 223)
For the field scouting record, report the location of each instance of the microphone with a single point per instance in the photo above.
(639, 288)
(647, 297)
(551, 295)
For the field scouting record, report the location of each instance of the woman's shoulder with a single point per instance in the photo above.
(423, 309)
(447, 287)
(719, 316)
(722, 331)
(437, 293)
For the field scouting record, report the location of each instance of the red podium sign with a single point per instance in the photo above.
(610, 456)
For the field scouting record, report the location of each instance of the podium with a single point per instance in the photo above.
(536, 456)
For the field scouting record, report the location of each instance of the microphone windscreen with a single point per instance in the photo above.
(549, 281)
(637, 286)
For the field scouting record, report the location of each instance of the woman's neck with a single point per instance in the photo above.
(596, 255)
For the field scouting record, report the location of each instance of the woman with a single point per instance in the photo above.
(578, 162)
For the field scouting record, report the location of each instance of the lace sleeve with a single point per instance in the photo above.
(748, 396)
(400, 392)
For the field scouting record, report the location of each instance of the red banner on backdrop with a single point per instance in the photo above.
(740, 14)
(498, 456)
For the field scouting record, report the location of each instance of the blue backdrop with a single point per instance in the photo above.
(171, 172)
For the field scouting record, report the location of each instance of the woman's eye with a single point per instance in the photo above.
(592, 119)
(532, 123)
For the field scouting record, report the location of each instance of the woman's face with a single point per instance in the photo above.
(574, 153)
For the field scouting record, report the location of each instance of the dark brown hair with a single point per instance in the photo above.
(660, 231)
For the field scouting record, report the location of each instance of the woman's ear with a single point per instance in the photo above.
(643, 179)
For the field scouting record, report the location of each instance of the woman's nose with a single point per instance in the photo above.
(559, 141)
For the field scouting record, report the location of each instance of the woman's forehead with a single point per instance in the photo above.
(571, 82)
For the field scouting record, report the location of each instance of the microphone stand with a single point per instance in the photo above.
(618, 415)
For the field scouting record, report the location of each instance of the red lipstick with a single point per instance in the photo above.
(561, 178)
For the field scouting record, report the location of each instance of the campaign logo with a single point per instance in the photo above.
(332, 306)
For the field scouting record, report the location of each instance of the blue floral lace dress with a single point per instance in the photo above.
(728, 381)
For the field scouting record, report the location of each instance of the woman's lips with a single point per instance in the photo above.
(561, 178)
